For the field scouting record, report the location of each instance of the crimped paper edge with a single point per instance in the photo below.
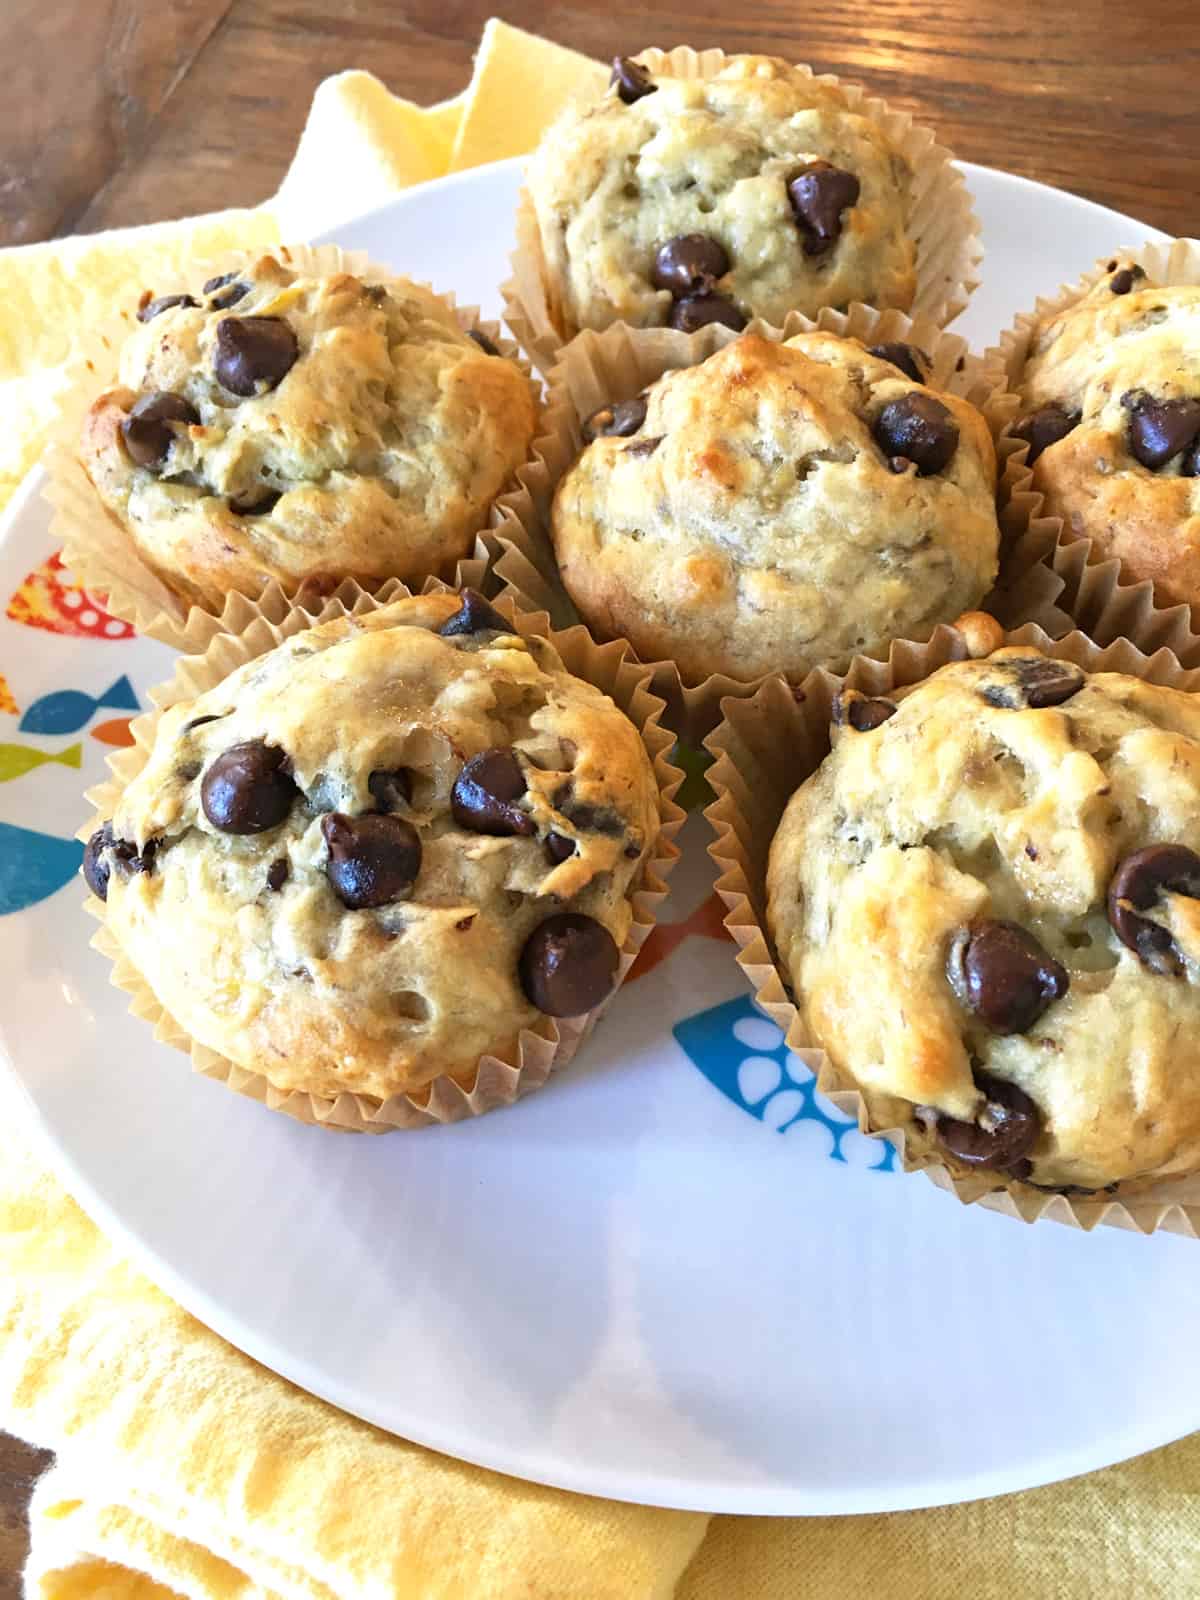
(797, 720)
(597, 368)
(97, 547)
(943, 211)
(542, 1050)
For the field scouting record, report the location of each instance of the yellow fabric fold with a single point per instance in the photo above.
(187, 1470)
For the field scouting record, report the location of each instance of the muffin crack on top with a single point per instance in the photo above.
(1007, 854)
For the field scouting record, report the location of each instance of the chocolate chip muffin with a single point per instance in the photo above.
(304, 428)
(987, 902)
(381, 850)
(751, 193)
(1111, 391)
(778, 507)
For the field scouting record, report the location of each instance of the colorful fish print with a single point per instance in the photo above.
(115, 732)
(18, 759)
(68, 710)
(34, 866)
(48, 599)
(7, 703)
(746, 1058)
(706, 922)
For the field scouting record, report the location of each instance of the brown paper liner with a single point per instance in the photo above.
(764, 749)
(98, 548)
(600, 368)
(1098, 594)
(541, 1050)
(941, 220)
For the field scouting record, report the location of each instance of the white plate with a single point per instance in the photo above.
(672, 1276)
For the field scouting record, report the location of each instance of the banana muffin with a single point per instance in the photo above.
(778, 507)
(380, 851)
(1111, 391)
(1006, 857)
(751, 193)
(304, 428)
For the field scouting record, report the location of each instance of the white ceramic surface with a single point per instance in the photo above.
(672, 1276)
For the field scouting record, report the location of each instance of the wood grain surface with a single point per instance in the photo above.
(128, 111)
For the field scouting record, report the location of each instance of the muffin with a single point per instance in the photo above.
(1111, 413)
(381, 851)
(1005, 857)
(304, 428)
(777, 507)
(750, 193)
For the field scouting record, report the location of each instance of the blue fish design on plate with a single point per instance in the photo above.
(34, 866)
(744, 1055)
(68, 710)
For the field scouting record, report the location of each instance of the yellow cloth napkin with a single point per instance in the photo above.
(187, 1470)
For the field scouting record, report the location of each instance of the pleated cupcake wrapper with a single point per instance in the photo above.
(541, 1050)
(602, 368)
(765, 748)
(98, 548)
(1099, 594)
(941, 220)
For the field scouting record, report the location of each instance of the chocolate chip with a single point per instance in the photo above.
(390, 789)
(643, 447)
(1160, 429)
(96, 869)
(568, 964)
(559, 848)
(1138, 885)
(373, 859)
(1007, 978)
(1044, 427)
(149, 309)
(147, 430)
(632, 80)
(256, 503)
(1190, 465)
(237, 290)
(617, 421)
(1121, 282)
(857, 711)
(1035, 682)
(819, 193)
(482, 340)
(475, 615)
(278, 874)
(253, 354)
(485, 791)
(920, 428)
(248, 788)
(198, 722)
(698, 310)
(912, 361)
(689, 264)
(1003, 1133)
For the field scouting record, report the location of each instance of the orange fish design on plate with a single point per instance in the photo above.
(7, 703)
(48, 599)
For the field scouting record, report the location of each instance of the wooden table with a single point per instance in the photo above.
(127, 111)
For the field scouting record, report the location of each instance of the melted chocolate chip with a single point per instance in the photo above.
(198, 722)
(278, 874)
(919, 428)
(248, 788)
(1121, 282)
(689, 264)
(147, 430)
(819, 194)
(858, 711)
(153, 308)
(485, 791)
(1138, 885)
(373, 859)
(1160, 429)
(1035, 682)
(103, 851)
(619, 421)
(1008, 979)
(253, 354)
(643, 447)
(235, 290)
(632, 80)
(391, 789)
(559, 848)
(1003, 1133)
(568, 965)
(1044, 427)
(698, 310)
(912, 361)
(482, 340)
(1190, 465)
(475, 615)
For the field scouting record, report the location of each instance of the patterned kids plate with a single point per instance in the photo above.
(675, 1275)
